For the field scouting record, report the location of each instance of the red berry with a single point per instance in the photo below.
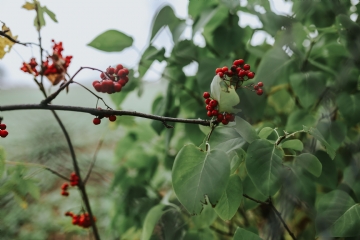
(238, 62)
(110, 70)
(232, 118)
(238, 69)
(3, 133)
(112, 118)
(221, 74)
(225, 69)
(228, 116)
(213, 103)
(246, 67)
(64, 186)
(218, 70)
(117, 87)
(97, 85)
(64, 193)
(121, 73)
(69, 214)
(126, 71)
(118, 67)
(96, 121)
(214, 112)
(2, 126)
(220, 117)
(125, 79)
(122, 81)
(241, 73)
(209, 107)
(206, 95)
(224, 121)
(207, 101)
(256, 87)
(74, 183)
(259, 92)
(260, 84)
(209, 113)
(233, 68)
(250, 75)
(230, 73)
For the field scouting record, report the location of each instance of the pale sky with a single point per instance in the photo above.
(80, 21)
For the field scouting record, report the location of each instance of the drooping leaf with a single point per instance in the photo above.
(310, 163)
(197, 174)
(245, 130)
(228, 100)
(242, 234)
(5, 43)
(152, 217)
(39, 20)
(226, 139)
(215, 87)
(264, 166)
(317, 135)
(231, 198)
(294, 144)
(205, 218)
(334, 132)
(328, 177)
(111, 41)
(308, 87)
(265, 132)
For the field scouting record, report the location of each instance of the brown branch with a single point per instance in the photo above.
(281, 219)
(93, 161)
(62, 87)
(102, 112)
(255, 200)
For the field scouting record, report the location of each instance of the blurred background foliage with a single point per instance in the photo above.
(311, 77)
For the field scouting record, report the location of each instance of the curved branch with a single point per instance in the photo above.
(102, 112)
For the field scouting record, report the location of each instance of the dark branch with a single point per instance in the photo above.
(57, 174)
(102, 112)
(255, 200)
(281, 219)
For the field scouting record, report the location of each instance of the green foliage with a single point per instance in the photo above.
(111, 41)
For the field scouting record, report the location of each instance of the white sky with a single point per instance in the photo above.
(81, 21)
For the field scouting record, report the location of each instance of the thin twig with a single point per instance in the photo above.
(2, 33)
(255, 200)
(40, 44)
(53, 96)
(93, 161)
(40, 166)
(281, 219)
(102, 112)
(92, 93)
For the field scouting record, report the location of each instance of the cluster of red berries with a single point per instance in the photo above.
(74, 181)
(237, 74)
(54, 64)
(82, 220)
(258, 89)
(3, 132)
(113, 80)
(211, 107)
(97, 120)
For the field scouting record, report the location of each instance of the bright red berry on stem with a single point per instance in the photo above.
(224, 121)
(214, 112)
(225, 69)
(118, 67)
(228, 116)
(3, 133)
(221, 74)
(220, 117)
(246, 67)
(126, 71)
(65, 193)
(239, 62)
(209, 113)
(250, 75)
(209, 107)
(256, 87)
(213, 103)
(112, 118)
(117, 87)
(241, 73)
(218, 70)
(2, 126)
(206, 95)
(96, 121)
(207, 101)
(64, 186)
(110, 70)
(259, 92)
(260, 84)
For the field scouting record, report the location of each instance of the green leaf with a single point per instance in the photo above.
(204, 76)
(195, 7)
(310, 163)
(148, 57)
(151, 219)
(265, 132)
(349, 107)
(308, 87)
(297, 119)
(226, 139)
(237, 157)
(245, 130)
(215, 87)
(197, 174)
(228, 100)
(317, 135)
(231, 198)
(205, 17)
(294, 144)
(242, 234)
(271, 66)
(328, 177)
(166, 17)
(205, 218)
(111, 41)
(282, 101)
(50, 14)
(250, 189)
(183, 53)
(199, 234)
(334, 132)
(2, 161)
(33, 188)
(331, 207)
(264, 166)
(348, 224)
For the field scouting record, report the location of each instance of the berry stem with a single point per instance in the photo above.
(98, 97)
